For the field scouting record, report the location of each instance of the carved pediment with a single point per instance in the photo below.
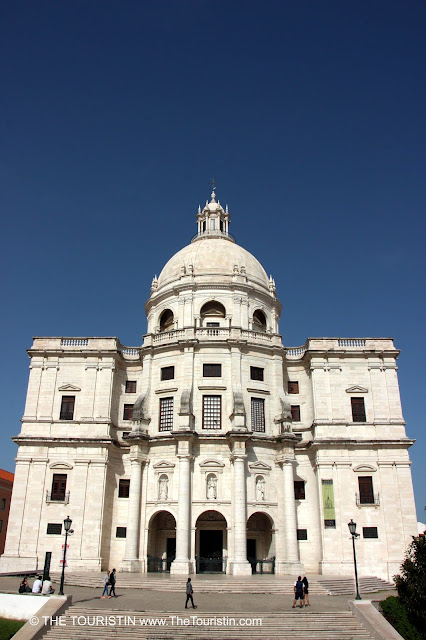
(60, 465)
(211, 464)
(356, 388)
(69, 387)
(365, 467)
(259, 466)
(163, 464)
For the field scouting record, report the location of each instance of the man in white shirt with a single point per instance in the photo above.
(37, 585)
(47, 587)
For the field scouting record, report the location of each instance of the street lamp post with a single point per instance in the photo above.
(67, 527)
(354, 534)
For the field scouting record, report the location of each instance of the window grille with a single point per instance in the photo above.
(54, 529)
(258, 414)
(212, 412)
(370, 532)
(166, 414)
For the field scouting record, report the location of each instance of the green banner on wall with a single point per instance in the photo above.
(328, 500)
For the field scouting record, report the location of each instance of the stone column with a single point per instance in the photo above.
(289, 504)
(239, 564)
(182, 564)
(138, 457)
(131, 555)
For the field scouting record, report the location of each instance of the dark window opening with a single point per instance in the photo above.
(166, 414)
(256, 373)
(167, 320)
(54, 529)
(358, 410)
(366, 494)
(67, 408)
(167, 373)
(212, 412)
(258, 414)
(127, 412)
(130, 386)
(302, 534)
(59, 486)
(292, 387)
(299, 489)
(212, 370)
(124, 488)
(213, 324)
(125, 434)
(370, 532)
(330, 524)
(3, 504)
(259, 321)
(121, 532)
(295, 412)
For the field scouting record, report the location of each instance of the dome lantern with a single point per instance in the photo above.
(213, 220)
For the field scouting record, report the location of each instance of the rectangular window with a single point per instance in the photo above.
(358, 410)
(67, 408)
(3, 504)
(166, 414)
(256, 373)
(213, 324)
(127, 412)
(366, 494)
(1, 525)
(299, 489)
(212, 370)
(54, 529)
(212, 412)
(123, 488)
(369, 532)
(295, 412)
(121, 532)
(302, 534)
(258, 414)
(125, 434)
(292, 387)
(59, 486)
(330, 524)
(130, 386)
(167, 373)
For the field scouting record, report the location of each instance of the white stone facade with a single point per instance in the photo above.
(210, 477)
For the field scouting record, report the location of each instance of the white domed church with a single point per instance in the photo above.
(212, 447)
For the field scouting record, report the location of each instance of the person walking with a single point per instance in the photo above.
(106, 585)
(189, 594)
(112, 581)
(306, 591)
(299, 589)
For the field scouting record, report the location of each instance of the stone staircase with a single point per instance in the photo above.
(270, 584)
(81, 623)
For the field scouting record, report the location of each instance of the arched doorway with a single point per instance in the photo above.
(211, 543)
(260, 543)
(161, 542)
(167, 320)
(212, 314)
(259, 321)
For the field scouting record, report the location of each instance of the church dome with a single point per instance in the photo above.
(212, 258)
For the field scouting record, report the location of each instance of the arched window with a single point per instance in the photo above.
(213, 309)
(259, 321)
(166, 320)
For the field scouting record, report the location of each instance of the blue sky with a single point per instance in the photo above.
(310, 116)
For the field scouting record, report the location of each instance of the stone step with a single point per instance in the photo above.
(288, 625)
(229, 584)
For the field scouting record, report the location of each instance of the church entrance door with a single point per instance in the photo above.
(211, 543)
(161, 542)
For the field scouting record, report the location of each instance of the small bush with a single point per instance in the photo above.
(8, 628)
(395, 613)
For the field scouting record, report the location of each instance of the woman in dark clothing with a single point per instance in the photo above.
(306, 583)
(24, 587)
(112, 583)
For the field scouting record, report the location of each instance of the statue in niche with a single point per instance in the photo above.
(212, 487)
(163, 488)
(260, 489)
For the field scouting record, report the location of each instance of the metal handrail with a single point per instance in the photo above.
(62, 498)
(368, 501)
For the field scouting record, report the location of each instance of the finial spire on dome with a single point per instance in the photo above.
(213, 195)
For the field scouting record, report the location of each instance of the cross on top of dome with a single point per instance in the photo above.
(213, 220)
